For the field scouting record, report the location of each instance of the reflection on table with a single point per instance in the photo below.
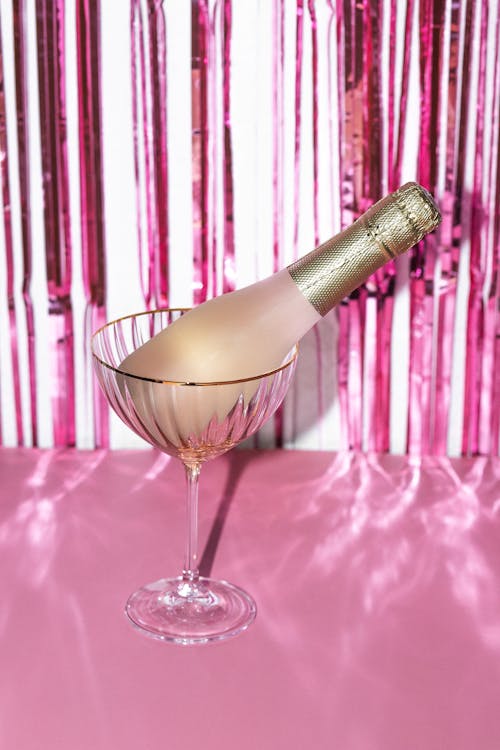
(377, 580)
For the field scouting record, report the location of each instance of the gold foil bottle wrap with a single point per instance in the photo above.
(389, 228)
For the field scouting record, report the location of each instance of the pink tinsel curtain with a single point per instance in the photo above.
(155, 154)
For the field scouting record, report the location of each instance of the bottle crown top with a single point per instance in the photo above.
(403, 218)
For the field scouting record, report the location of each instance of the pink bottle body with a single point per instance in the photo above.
(238, 335)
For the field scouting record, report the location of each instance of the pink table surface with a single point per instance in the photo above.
(377, 581)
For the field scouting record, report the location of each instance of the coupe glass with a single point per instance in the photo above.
(193, 422)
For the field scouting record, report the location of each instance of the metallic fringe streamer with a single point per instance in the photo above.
(91, 189)
(423, 259)
(51, 76)
(149, 114)
(20, 62)
(358, 128)
(200, 34)
(212, 149)
(482, 385)
(9, 253)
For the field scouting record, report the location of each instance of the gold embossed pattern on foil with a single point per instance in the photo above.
(390, 227)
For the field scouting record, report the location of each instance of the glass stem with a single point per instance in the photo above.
(190, 572)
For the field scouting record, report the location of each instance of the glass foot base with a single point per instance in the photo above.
(188, 612)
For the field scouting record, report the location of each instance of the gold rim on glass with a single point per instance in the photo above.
(292, 358)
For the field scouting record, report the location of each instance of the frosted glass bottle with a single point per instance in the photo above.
(249, 331)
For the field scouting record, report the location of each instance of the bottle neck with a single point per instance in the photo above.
(389, 228)
(333, 270)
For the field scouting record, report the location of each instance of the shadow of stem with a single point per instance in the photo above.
(236, 471)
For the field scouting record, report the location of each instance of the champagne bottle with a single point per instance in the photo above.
(249, 331)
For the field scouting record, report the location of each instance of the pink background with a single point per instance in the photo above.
(154, 155)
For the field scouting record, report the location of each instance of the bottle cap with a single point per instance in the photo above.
(389, 228)
(402, 219)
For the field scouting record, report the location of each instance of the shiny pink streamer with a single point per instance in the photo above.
(229, 269)
(211, 149)
(370, 370)
(299, 34)
(278, 125)
(315, 105)
(278, 162)
(344, 112)
(20, 44)
(396, 141)
(448, 269)
(140, 126)
(149, 61)
(381, 286)
(490, 378)
(495, 289)
(386, 278)
(391, 111)
(51, 77)
(485, 295)
(315, 155)
(451, 231)
(301, 15)
(423, 258)
(91, 187)
(9, 253)
(481, 357)
(158, 64)
(200, 29)
(351, 311)
(493, 212)
(364, 372)
(331, 34)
